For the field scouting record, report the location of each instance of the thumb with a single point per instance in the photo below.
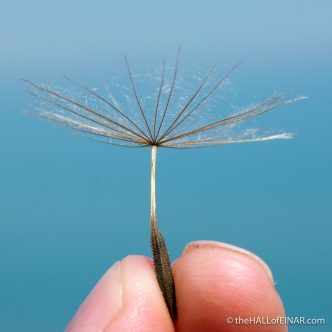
(127, 298)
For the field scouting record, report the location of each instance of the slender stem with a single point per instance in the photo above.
(153, 213)
(161, 259)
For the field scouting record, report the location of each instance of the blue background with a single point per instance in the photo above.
(70, 207)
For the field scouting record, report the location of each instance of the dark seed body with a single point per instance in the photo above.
(163, 269)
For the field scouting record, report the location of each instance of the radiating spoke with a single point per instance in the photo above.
(170, 93)
(137, 99)
(203, 100)
(78, 125)
(200, 87)
(158, 100)
(265, 107)
(88, 109)
(63, 107)
(107, 102)
(206, 143)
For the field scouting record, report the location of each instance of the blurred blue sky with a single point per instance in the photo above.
(70, 207)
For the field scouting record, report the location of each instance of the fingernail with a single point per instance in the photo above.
(102, 305)
(215, 244)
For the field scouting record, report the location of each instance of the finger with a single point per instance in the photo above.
(127, 298)
(215, 281)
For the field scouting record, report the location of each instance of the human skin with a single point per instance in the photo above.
(213, 281)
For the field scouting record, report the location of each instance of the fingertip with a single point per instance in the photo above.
(215, 281)
(102, 305)
(144, 306)
(127, 298)
(232, 248)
